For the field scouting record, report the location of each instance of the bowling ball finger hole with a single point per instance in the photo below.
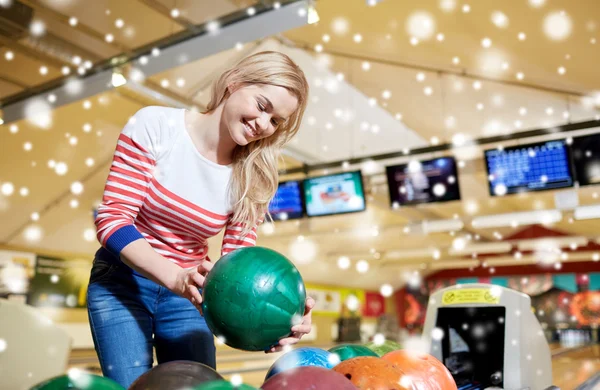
(349, 376)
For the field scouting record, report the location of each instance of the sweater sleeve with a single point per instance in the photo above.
(233, 239)
(130, 174)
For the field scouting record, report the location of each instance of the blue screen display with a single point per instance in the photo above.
(524, 168)
(287, 202)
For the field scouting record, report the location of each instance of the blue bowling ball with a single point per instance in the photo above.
(305, 356)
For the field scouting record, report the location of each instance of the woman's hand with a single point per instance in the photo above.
(298, 330)
(189, 280)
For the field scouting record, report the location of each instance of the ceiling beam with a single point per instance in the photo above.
(10, 80)
(175, 50)
(31, 53)
(50, 41)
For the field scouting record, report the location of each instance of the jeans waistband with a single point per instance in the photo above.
(105, 256)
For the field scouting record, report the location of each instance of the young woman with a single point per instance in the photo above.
(177, 178)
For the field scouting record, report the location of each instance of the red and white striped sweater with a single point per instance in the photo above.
(162, 189)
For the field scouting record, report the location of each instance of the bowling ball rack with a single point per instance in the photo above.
(471, 386)
(474, 386)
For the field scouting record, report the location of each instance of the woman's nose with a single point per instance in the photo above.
(262, 121)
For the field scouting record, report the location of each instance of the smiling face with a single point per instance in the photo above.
(254, 112)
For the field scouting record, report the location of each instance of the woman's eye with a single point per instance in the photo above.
(274, 122)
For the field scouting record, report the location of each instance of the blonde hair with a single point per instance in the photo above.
(255, 176)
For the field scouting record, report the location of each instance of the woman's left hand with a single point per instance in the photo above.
(297, 330)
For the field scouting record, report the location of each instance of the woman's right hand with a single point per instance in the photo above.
(189, 280)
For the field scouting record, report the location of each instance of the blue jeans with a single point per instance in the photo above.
(129, 314)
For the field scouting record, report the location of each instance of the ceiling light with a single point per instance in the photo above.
(522, 218)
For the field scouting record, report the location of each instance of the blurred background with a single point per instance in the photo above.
(445, 142)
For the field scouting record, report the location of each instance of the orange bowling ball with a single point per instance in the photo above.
(373, 373)
(425, 371)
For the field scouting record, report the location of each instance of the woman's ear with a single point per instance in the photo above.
(231, 88)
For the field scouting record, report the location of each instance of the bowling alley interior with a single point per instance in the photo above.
(439, 202)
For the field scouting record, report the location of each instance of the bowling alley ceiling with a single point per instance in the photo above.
(386, 76)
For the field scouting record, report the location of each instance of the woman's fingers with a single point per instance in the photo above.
(198, 279)
(278, 348)
(303, 328)
(205, 267)
(196, 297)
(289, 341)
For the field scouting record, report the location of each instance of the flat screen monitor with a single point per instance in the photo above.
(287, 202)
(334, 194)
(586, 159)
(525, 168)
(423, 182)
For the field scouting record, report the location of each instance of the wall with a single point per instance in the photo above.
(331, 305)
(55, 314)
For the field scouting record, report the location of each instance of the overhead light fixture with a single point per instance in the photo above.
(587, 212)
(410, 267)
(313, 15)
(453, 264)
(118, 79)
(409, 254)
(442, 225)
(557, 242)
(543, 217)
(482, 248)
(507, 261)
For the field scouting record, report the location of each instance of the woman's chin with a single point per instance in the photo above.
(241, 140)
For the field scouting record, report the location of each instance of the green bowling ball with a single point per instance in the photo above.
(382, 349)
(223, 385)
(349, 351)
(78, 381)
(252, 298)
